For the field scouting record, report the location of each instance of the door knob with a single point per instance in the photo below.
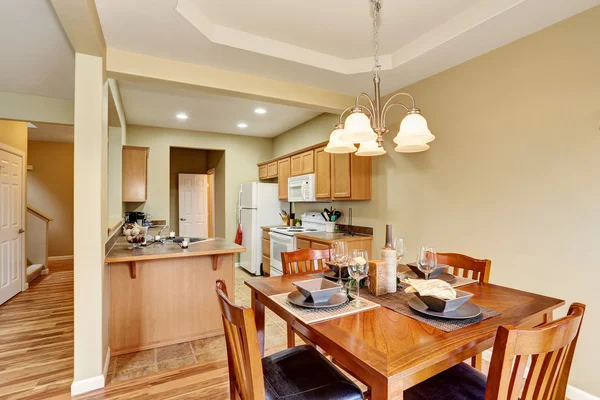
(182, 219)
(21, 231)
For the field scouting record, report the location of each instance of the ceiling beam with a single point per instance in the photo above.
(27, 107)
(81, 23)
(122, 65)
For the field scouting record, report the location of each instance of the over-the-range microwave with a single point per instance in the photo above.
(302, 188)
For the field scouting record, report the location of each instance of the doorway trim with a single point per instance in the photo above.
(20, 153)
(211, 202)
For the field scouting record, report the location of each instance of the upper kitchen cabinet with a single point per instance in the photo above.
(303, 163)
(262, 171)
(338, 176)
(323, 174)
(135, 174)
(284, 170)
(350, 177)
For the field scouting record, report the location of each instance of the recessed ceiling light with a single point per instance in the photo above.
(260, 111)
(242, 125)
(181, 116)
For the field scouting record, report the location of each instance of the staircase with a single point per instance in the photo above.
(37, 243)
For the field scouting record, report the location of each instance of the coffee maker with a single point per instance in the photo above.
(141, 218)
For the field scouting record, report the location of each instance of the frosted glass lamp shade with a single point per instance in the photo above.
(357, 128)
(370, 148)
(412, 149)
(413, 131)
(338, 146)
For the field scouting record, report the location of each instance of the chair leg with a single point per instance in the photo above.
(476, 362)
(291, 337)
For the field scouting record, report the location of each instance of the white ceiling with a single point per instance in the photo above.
(50, 133)
(36, 56)
(154, 105)
(325, 44)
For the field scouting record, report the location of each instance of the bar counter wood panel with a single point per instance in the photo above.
(170, 301)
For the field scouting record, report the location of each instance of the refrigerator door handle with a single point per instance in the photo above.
(240, 205)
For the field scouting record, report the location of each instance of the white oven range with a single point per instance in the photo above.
(284, 239)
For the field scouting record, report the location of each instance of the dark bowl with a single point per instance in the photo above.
(336, 269)
(440, 305)
(434, 274)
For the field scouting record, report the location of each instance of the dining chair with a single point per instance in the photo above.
(527, 364)
(304, 260)
(295, 262)
(283, 375)
(467, 267)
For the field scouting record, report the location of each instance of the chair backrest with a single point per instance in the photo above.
(550, 346)
(243, 354)
(304, 260)
(465, 266)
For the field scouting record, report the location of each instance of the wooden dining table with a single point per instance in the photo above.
(391, 352)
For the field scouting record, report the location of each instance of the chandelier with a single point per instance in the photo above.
(365, 124)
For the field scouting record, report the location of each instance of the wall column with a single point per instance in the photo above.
(91, 126)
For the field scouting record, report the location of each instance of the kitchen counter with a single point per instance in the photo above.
(162, 294)
(121, 253)
(325, 237)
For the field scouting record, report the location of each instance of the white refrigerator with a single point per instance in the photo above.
(258, 206)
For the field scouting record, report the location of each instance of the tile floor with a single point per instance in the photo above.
(143, 363)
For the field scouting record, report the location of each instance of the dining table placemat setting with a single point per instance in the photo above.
(312, 315)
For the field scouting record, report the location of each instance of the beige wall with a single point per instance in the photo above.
(242, 153)
(14, 134)
(513, 173)
(115, 175)
(182, 161)
(50, 190)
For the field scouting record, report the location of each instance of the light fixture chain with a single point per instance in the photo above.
(376, 4)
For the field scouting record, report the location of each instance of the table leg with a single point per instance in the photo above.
(393, 390)
(259, 319)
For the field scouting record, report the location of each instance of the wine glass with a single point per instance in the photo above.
(427, 260)
(398, 244)
(339, 255)
(358, 268)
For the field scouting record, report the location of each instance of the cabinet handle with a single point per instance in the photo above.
(182, 219)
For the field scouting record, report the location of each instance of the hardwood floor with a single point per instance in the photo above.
(36, 349)
(36, 338)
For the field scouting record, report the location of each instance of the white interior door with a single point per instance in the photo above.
(193, 205)
(11, 229)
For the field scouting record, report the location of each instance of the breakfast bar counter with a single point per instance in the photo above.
(162, 294)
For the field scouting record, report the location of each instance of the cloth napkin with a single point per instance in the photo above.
(432, 287)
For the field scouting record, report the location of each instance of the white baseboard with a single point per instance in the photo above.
(45, 271)
(106, 363)
(237, 265)
(577, 394)
(572, 392)
(87, 385)
(25, 286)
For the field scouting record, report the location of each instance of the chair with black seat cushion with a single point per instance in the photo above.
(300, 373)
(550, 346)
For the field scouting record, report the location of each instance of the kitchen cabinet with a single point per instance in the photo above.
(338, 176)
(263, 172)
(135, 174)
(322, 241)
(266, 252)
(350, 177)
(302, 244)
(272, 170)
(303, 163)
(323, 173)
(284, 170)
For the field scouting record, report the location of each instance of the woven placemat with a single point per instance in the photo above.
(399, 302)
(312, 315)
